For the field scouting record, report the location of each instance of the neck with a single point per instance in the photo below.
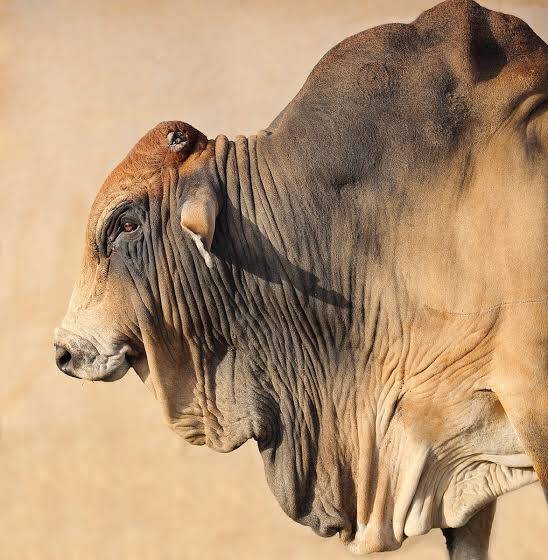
(280, 342)
(282, 356)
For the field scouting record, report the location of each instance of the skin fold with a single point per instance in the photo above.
(361, 287)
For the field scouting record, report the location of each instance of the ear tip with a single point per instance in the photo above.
(199, 243)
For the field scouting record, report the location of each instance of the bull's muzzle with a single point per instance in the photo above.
(78, 357)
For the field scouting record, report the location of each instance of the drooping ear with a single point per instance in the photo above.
(198, 188)
(198, 215)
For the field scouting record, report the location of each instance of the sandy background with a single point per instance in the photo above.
(90, 471)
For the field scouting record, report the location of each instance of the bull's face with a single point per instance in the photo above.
(123, 310)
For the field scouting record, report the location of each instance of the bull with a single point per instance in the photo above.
(361, 287)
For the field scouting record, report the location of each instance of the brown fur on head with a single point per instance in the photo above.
(156, 158)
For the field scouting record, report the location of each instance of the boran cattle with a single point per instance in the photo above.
(361, 287)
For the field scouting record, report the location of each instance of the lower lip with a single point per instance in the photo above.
(115, 375)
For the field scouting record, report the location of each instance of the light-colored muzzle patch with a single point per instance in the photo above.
(80, 358)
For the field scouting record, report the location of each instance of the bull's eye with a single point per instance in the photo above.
(120, 222)
(129, 226)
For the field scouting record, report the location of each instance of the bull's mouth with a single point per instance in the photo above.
(104, 367)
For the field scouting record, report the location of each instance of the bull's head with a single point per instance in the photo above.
(123, 311)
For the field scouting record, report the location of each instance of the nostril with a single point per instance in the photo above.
(62, 357)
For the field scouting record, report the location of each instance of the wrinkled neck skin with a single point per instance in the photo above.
(332, 377)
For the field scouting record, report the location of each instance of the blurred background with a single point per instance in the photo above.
(89, 471)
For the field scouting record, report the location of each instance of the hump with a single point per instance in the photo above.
(401, 92)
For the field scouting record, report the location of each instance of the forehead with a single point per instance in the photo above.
(144, 169)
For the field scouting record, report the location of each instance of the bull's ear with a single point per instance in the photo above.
(198, 215)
